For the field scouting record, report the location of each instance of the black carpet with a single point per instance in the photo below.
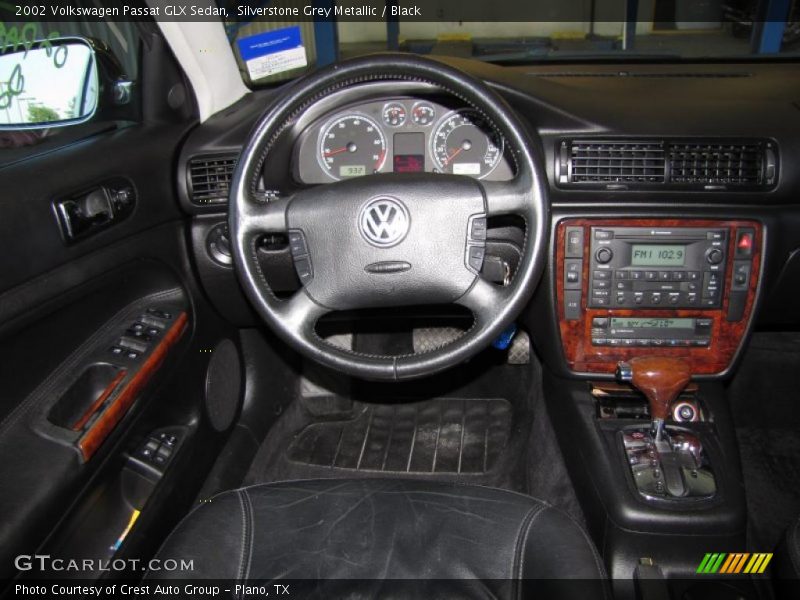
(764, 400)
(441, 435)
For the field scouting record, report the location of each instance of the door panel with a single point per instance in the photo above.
(72, 407)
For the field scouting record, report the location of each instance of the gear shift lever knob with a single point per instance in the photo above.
(660, 379)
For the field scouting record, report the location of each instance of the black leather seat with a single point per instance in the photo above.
(787, 564)
(424, 533)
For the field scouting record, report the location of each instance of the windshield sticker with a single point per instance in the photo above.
(273, 52)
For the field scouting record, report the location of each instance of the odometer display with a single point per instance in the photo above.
(351, 146)
(465, 144)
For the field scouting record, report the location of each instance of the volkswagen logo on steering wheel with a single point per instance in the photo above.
(384, 222)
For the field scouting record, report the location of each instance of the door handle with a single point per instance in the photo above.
(85, 213)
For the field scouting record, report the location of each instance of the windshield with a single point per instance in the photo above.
(277, 40)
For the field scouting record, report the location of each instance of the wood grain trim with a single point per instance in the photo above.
(99, 402)
(112, 415)
(726, 337)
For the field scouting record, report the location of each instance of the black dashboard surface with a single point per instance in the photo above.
(635, 102)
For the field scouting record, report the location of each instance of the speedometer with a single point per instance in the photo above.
(465, 144)
(351, 146)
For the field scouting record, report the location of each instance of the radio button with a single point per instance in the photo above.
(604, 255)
(691, 298)
(637, 275)
(621, 298)
(674, 298)
(678, 275)
(693, 275)
(638, 297)
(624, 285)
(664, 276)
(704, 324)
(655, 298)
(650, 275)
(601, 293)
(601, 274)
(621, 274)
(599, 301)
(603, 284)
(714, 256)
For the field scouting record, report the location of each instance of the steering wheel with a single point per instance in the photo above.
(389, 240)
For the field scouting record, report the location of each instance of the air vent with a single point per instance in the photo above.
(210, 178)
(717, 163)
(668, 164)
(612, 162)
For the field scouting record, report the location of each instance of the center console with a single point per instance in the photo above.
(629, 287)
(650, 312)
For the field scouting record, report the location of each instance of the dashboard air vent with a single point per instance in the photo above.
(594, 161)
(700, 164)
(210, 178)
(717, 163)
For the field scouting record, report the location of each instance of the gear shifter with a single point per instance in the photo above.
(664, 463)
(660, 380)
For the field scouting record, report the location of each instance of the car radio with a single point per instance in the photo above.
(651, 331)
(655, 267)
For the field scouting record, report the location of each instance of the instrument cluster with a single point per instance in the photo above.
(400, 135)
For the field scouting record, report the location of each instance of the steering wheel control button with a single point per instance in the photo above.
(297, 244)
(384, 222)
(475, 256)
(477, 230)
(303, 268)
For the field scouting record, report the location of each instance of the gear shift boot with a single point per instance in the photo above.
(673, 467)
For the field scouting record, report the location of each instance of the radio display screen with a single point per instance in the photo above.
(645, 323)
(653, 255)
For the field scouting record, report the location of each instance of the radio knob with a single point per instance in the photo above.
(714, 256)
(604, 255)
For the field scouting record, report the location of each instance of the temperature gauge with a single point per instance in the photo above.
(423, 114)
(394, 114)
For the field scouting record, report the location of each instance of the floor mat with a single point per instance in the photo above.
(441, 435)
(763, 398)
(771, 466)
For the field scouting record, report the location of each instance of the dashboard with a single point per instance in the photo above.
(619, 150)
(404, 134)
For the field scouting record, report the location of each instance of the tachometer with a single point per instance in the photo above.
(465, 144)
(352, 146)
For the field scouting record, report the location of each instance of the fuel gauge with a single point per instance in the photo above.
(394, 114)
(423, 114)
